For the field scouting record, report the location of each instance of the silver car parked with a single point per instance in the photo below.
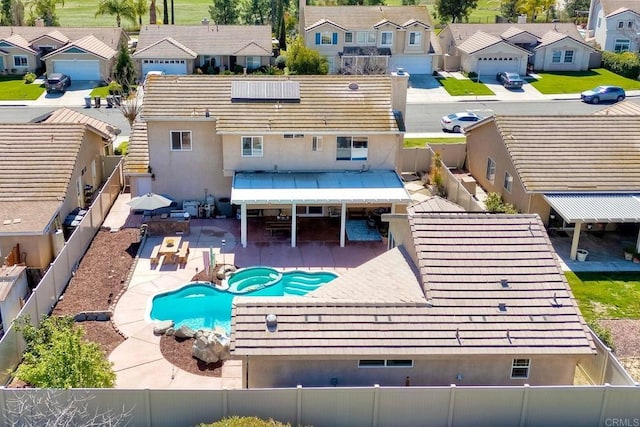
(603, 93)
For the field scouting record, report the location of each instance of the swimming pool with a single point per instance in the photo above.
(201, 305)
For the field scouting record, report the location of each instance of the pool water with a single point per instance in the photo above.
(200, 305)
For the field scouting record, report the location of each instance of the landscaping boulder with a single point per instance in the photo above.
(211, 347)
(161, 328)
(185, 332)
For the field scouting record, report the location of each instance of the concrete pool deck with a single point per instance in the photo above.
(138, 362)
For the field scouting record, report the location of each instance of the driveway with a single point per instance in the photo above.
(526, 93)
(73, 97)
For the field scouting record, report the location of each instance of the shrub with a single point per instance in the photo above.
(603, 333)
(245, 422)
(122, 149)
(281, 61)
(29, 78)
(626, 64)
(495, 204)
(114, 87)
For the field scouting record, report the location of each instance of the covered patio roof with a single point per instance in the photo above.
(373, 186)
(597, 207)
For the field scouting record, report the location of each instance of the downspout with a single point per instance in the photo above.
(529, 204)
(246, 371)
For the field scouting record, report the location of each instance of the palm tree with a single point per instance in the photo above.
(119, 8)
(140, 7)
(165, 17)
(153, 9)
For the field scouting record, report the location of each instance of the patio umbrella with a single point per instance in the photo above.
(149, 202)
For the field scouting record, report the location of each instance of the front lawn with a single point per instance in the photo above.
(610, 295)
(422, 142)
(578, 81)
(464, 87)
(13, 88)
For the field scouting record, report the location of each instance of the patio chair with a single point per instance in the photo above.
(155, 255)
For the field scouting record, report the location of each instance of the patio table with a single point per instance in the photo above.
(169, 248)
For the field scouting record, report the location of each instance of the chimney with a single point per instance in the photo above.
(205, 21)
(39, 22)
(301, 5)
(522, 19)
(399, 85)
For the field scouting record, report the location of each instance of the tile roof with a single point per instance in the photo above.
(55, 35)
(89, 44)
(552, 37)
(571, 153)
(137, 160)
(624, 108)
(515, 31)
(21, 42)
(434, 204)
(35, 170)
(478, 41)
(165, 48)
(67, 115)
(463, 261)
(109, 36)
(365, 17)
(462, 32)
(327, 104)
(611, 6)
(209, 39)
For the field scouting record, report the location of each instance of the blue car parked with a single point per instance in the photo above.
(603, 93)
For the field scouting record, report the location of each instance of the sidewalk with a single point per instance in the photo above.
(426, 89)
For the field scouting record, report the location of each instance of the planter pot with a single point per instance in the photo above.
(628, 256)
(581, 255)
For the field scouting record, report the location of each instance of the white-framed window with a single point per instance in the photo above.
(621, 45)
(556, 56)
(386, 38)
(316, 143)
(352, 148)
(568, 56)
(629, 24)
(181, 140)
(385, 363)
(520, 368)
(253, 62)
(326, 38)
(303, 210)
(415, 38)
(251, 146)
(20, 61)
(508, 182)
(620, 24)
(348, 37)
(365, 37)
(491, 170)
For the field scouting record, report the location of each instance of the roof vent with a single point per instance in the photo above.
(502, 306)
(504, 283)
(272, 322)
(353, 86)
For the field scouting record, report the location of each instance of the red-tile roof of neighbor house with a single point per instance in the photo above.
(366, 17)
(462, 32)
(492, 285)
(137, 159)
(326, 104)
(109, 36)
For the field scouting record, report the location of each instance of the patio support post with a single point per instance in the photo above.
(576, 239)
(343, 222)
(638, 243)
(243, 224)
(293, 225)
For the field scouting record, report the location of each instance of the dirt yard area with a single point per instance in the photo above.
(626, 338)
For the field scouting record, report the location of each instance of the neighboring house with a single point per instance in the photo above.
(46, 170)
(571, 169)
(82, 53)
(180, 49)
(465, 298)
(370, 39)
(307, 145)
(488, 49)
(614, 25)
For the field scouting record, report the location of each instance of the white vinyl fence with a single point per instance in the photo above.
(57, 276)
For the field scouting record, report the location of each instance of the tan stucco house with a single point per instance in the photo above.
(294, 146)
(488, 49)
(570, 170)
(82, 53)
(46, 171)
(370, 39)
(181, 49)
(464, 298)
(614, 25)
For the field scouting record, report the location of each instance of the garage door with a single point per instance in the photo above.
(169, 66)
(488, 67)
(411, 64)
(78, 70)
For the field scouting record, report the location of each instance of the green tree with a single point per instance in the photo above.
(572, 7)
(124, 71)
(495, 204)
(254, 12)
(509, 9)
(5, 13)
(165, 11)
(140, 8)
(304, 60)
(224, 12)
(119, 8)
(455, 10)
(57, 356)
(45, 9)
(409, 2)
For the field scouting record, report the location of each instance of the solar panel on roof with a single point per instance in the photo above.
(265, 91)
